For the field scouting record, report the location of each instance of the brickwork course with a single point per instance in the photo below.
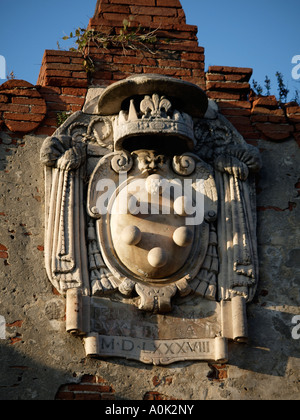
(63, 82)
(38, 359)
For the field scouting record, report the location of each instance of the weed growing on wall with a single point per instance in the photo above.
(137, 39)
(282, 89)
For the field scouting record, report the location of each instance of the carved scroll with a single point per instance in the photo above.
(237, 237)
(157, 352)
(77, 312)
(65, 249)
(233, 160)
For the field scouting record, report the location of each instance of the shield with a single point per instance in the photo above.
(147, 237)
(146, 233)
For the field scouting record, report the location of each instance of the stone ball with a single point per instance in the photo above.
(155, 184)
(131, 235)
(157, 257)
(183, 206)
(183, 236)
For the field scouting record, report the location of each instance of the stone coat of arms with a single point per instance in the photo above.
(151, 223)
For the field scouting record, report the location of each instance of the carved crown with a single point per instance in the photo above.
(153, 105)
(152, 115)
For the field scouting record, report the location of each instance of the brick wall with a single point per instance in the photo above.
(62, 84)
(90, 388)
(255, 117)
(175, 54)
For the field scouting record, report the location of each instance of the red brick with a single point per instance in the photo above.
(61, 53)
(66, 82)
(194, 56)
(223, 95)
(180, 73)
(153, 11)
(115, 8)
(57, 59)
(136, 2)
(239, 120)
(79, 75)
(134, 60)
(74, 91)
(22, 117)
(66, 396)
(293, 109)
(183, 46)
(236, 112)
(234, 77)
(169, 3)
(227, 86)
(293, 114)
(87, 397)
(118, 17)
(215, 77)
(266, 101)
(230, 70)
(14, 108)
(15, 83)
(89, 388)
(22, 127)
(57, 73)
(275, 131)
(50, 90)
(271, 115)
(234, 104)
(29, 93)
(177, 34)
(39, 109)
(61, 66)
(52, 98)
(72, 100)
(3, 99)
(27, 101)
(45, 131)
(164, 21)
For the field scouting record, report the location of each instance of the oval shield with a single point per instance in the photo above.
(147, 229)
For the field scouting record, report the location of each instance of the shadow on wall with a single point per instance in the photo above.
(272, 342)
(271, 346)
(271, 351)
(22, 378)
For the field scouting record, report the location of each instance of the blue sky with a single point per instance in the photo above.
(261, 34)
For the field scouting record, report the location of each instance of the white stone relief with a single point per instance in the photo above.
(152, 203)
(2, 328)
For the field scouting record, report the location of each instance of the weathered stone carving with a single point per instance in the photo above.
(151, 219)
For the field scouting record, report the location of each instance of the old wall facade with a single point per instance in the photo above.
(39, 359)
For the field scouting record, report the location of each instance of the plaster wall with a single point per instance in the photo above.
(39, 360)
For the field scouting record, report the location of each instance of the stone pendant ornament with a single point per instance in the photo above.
(151, 223)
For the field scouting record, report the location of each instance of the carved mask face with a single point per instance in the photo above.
(149, 161)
